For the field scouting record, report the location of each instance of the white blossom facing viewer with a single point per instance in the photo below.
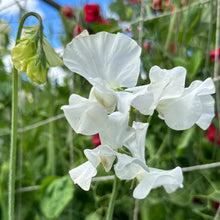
(108, 61)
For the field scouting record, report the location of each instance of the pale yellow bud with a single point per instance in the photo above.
(35, 72)
(21, 53)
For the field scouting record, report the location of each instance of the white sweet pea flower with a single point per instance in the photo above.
(128, 168)
(171, 180)
(194, 106)
(85, 116)
(102, 154)
(115, 58)
(107, 61)
(165, 84)
(82, 175)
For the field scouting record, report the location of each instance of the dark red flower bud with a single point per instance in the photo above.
(213, 135)
(96, 140)
(67, 11)
(215, 205)
(157, 5)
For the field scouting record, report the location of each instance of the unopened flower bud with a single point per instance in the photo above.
(36, 72)
(67, 11)
(21, 53)
(33, 55)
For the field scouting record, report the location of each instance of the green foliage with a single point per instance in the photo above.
(50, 150)
(55, 196)
(124, 11)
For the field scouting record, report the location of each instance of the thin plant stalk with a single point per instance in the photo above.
(13, 146)
(112, 199)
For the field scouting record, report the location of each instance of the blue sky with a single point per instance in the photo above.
(52, 23)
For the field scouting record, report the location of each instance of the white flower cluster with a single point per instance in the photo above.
(111, 62)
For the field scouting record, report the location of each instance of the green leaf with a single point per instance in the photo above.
(125, 12)
(56, 196)
(93, 216)
(185, 139)
(179, 61)
(215, 196)
(194, 64)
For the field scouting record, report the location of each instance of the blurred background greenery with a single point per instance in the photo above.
(171, 33)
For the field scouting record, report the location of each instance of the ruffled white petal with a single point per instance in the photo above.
(208, 111)
(116, 130)
(85, 116)
(180, 113)
(102, 154)
(105, 96)
(136, 144)
(166, 84)
(82, 175)
(194, 106)
(170, 180)
(124, 101)
(142, 99)
(112, 57)
(128, 167)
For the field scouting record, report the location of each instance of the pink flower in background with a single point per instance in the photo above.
(213, 53)
(167, 2)
(213, 134)
(77, 30)
(147, 46)
(67, 11)
(96, 140)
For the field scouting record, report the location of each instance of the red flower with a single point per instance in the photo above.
(167, 2)
(215, 205)
(67, 11)
(213, 53)
(92, 12)
(172, 8)
(77, 30)
(96, 140)
(172, 48)
(157, 5)
(147, 46)
(213, 135)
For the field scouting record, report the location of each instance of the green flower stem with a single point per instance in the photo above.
(13, 147)
(51, 168)
(171, 27)
(112, 199)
